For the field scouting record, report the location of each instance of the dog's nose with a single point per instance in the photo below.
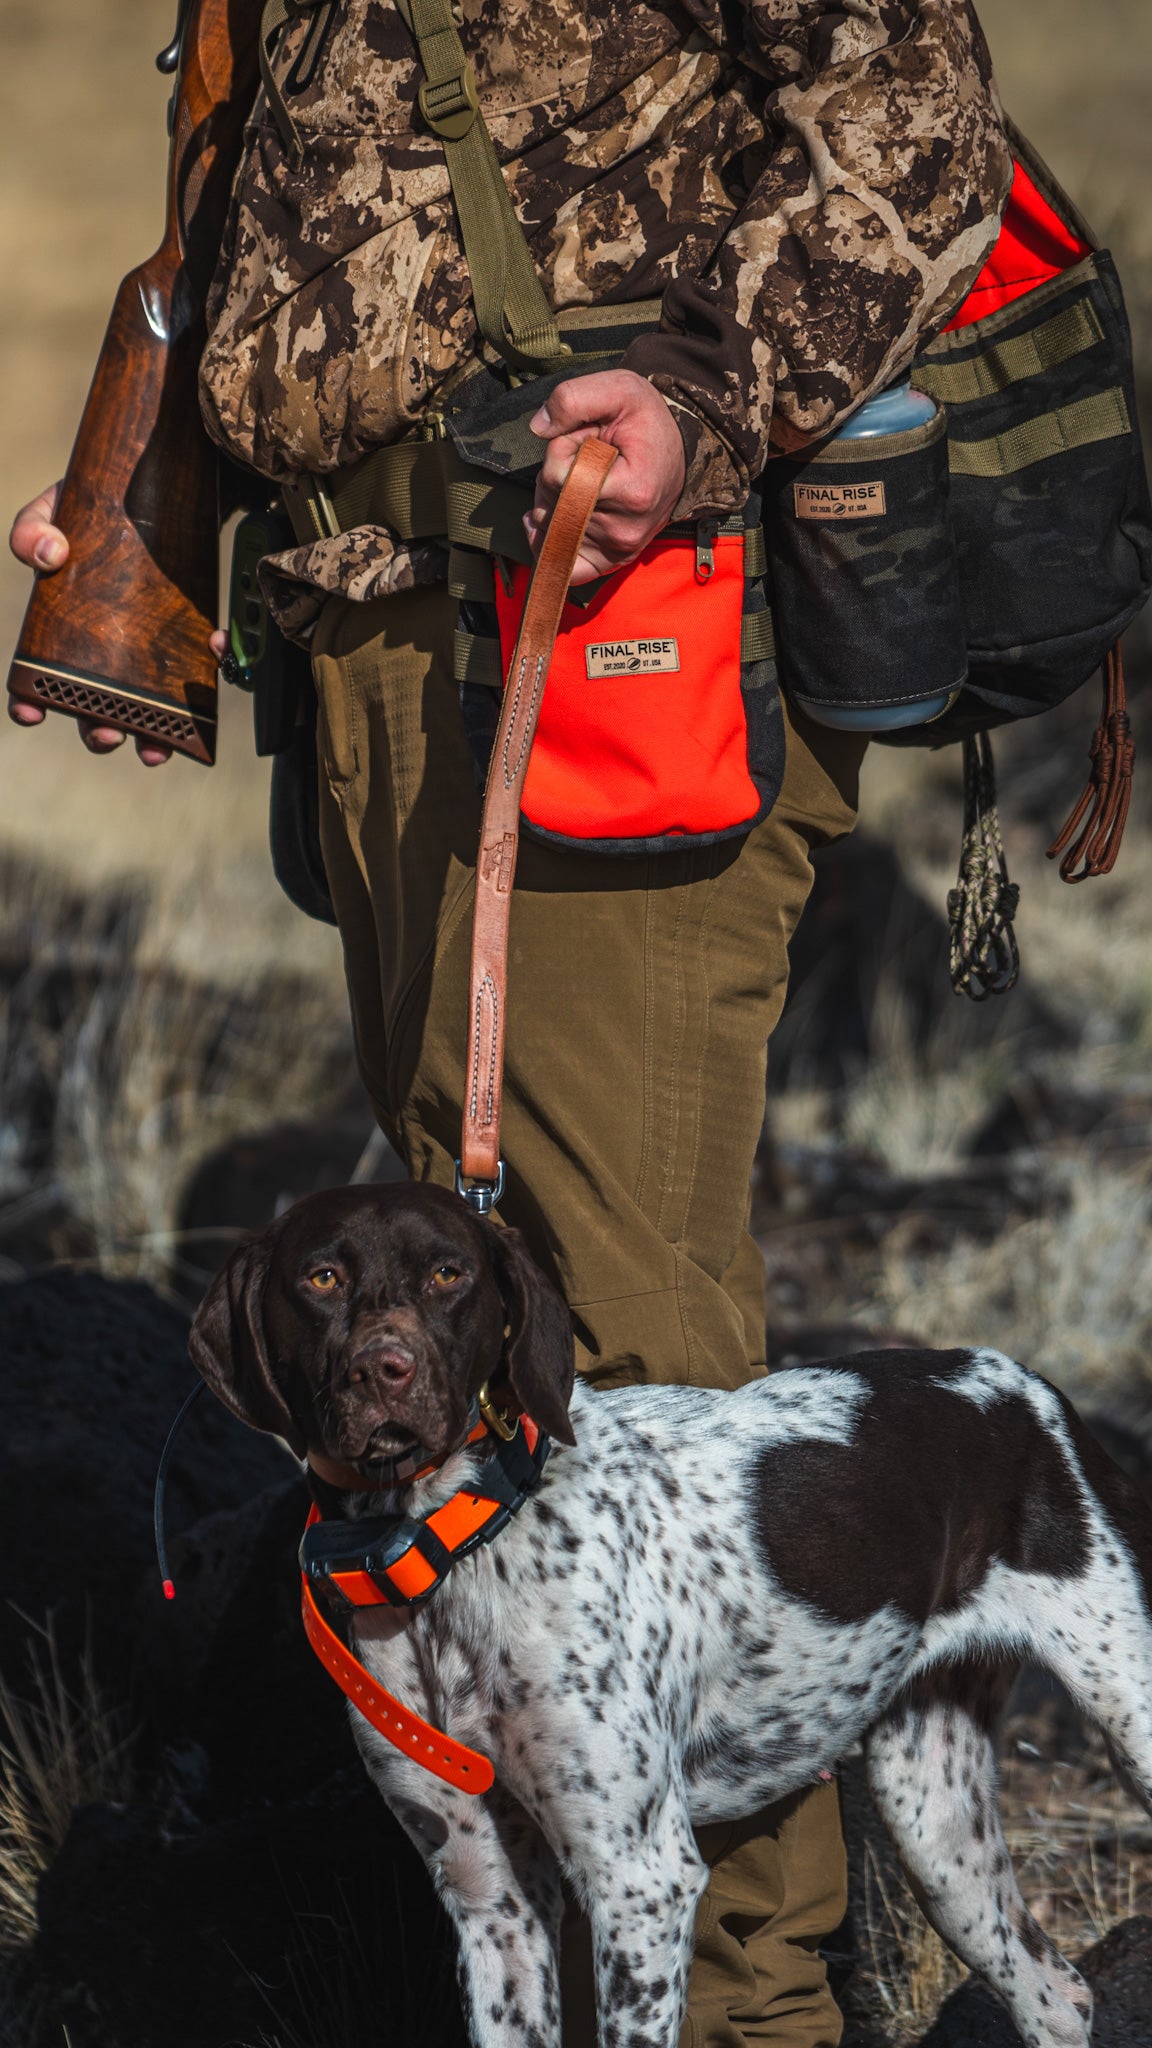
(389, 1362)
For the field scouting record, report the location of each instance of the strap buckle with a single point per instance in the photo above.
(482, 1196)
(450, 105)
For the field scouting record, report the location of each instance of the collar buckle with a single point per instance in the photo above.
(497, 1423)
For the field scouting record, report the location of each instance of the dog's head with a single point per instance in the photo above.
(360, 1325)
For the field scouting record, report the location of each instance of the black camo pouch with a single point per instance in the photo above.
(1049, 497)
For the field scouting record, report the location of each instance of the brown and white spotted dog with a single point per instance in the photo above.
(709, 1599)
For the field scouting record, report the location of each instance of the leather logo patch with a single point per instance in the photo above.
(631, 658)
(839, 501)
(498, 863)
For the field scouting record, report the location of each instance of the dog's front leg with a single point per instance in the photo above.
(641, 1899)
(500, 1886)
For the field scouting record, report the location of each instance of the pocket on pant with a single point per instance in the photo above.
(336, 720)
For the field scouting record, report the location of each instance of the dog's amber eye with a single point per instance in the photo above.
(446, 1276)
(325, 1279)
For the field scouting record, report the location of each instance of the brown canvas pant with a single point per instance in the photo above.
(641, 997)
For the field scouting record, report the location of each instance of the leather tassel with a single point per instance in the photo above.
(1090, 841)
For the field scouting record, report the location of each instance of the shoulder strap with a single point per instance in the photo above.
(512, 313)
(480, 1170)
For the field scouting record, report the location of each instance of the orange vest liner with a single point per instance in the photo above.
(642, 731)
(1034, 244)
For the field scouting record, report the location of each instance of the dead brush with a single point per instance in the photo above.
(61, 1746)
(905, 1972)
(351, 1983)
(119, 1073)
(1081, 1848)
(1069, 1291)
(1081, 1845)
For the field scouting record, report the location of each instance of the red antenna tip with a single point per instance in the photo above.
(169, 1590)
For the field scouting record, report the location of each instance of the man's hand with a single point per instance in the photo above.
(39, 544)
(645, 480)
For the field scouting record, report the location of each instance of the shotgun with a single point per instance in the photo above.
(120, 633)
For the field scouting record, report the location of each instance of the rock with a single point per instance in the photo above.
(972, 2018)
(307, 1923)
(1119, 1970)
(224, 1678)
(92, 1374)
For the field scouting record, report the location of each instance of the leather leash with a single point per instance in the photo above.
(480, 1169)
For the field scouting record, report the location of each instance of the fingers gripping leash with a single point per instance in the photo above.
(480, 1169)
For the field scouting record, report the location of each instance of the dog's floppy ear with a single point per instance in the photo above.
(540, 1353)
(228, 1348)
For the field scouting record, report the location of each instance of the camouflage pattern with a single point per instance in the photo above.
(811, 184)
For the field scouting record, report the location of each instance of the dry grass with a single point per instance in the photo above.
(344, 1987)
(1082, 1852)
(61, 1745)
(121, 1074)
(906, 1972)
(1068, 1292)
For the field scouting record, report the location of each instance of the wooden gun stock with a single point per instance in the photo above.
(120, 633)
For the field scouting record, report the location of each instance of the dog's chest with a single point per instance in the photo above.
(610, 1622)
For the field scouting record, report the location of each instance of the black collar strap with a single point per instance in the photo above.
(400, 1560)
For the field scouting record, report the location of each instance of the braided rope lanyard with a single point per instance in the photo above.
(983, 955)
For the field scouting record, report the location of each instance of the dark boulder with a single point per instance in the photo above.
(310, 1924)
(92, 1372)
(1119, 1970)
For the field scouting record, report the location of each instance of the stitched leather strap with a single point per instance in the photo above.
(1090, 840)
(500, 828)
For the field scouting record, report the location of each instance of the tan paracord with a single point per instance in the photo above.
(480, 1169)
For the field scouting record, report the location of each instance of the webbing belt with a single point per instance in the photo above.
(1102, 416)
(419, 490)
(511, 311)
(1067, 334)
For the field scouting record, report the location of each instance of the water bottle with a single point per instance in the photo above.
(893, 411)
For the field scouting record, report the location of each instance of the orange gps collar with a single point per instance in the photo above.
(400, 1561)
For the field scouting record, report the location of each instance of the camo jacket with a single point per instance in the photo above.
(810, 185)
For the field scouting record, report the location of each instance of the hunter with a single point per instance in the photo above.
(809, 187)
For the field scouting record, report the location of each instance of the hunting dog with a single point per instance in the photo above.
(708, 1599)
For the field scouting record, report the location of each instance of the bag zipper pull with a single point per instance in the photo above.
(705, 552)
